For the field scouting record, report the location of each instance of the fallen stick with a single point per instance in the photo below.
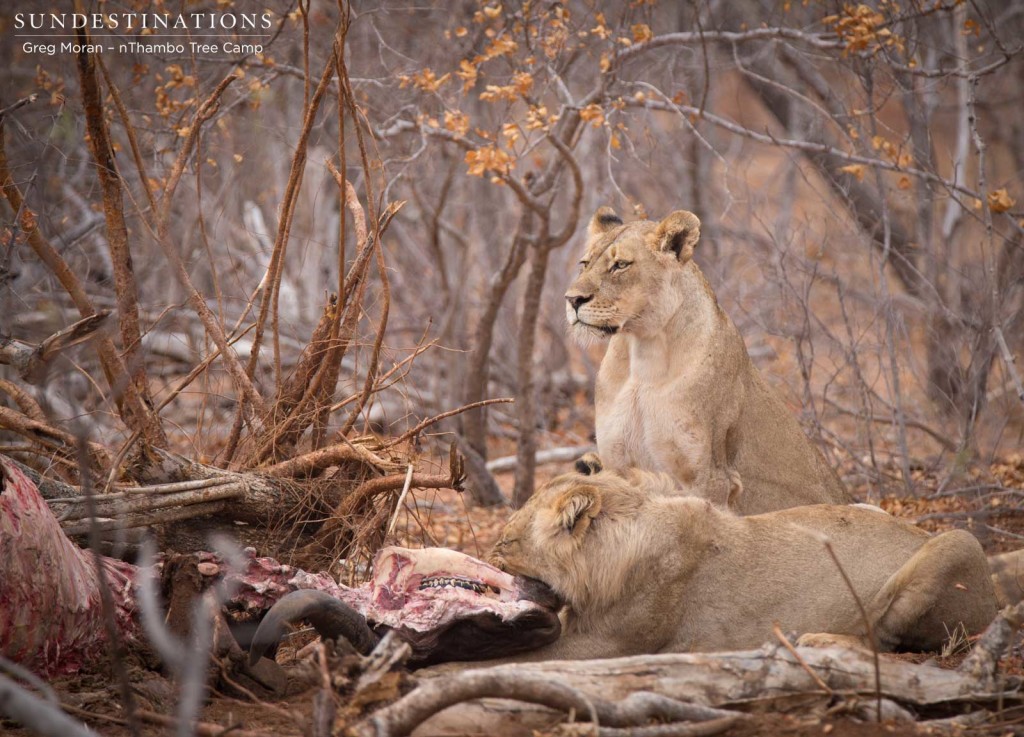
(727, 680)
(553, 455)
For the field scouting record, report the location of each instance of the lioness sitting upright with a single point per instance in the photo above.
(647, 570)
(677, 391)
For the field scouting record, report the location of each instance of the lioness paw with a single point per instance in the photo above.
(588, 464)
(827, 639)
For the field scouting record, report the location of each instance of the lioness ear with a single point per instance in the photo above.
(678, 234)
(604, 220)
(577, 507)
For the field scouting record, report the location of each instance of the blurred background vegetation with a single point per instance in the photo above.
(857, 169)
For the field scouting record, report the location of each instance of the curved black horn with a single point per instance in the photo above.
(330, 617)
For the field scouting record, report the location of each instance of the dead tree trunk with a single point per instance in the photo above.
(498, 702)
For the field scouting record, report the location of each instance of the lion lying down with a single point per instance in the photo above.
(645, 570)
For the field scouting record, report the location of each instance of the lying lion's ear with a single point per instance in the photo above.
(577, 508)
(604, 220)
(678, 234)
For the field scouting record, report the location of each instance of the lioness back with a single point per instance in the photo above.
(676, 391)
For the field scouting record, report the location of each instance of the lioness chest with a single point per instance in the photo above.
(635, 428)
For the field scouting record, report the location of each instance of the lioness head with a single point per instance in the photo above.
(627, 272)
(576, 534)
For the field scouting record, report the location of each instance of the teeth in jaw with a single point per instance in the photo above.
(440, 582)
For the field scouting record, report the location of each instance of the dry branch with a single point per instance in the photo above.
(26, 403)
(353, 506)
(565, 454)
(30, 361)
(749, 680)
(421, 426)
(290, 414)
(311, 463)
(132, 410)
(213, 328)
(125, 288)
(47, 436)
(632, 711)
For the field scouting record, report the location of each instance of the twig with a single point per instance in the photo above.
(30, 360)
(317, 460)
(4, 112)
(272, 279)
(401, 500)
(48, 436)
(24, 674)
(37, 714)
(1009, 361)
(129, 405)
(781, 637)
(129, 129)
(390, 372)
(203, 729)
(450, 413)
(25, 401)
(867, 626)
(114, 640)
(150, 518)
(125, 287)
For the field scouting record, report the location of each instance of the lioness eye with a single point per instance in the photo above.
(620, 265)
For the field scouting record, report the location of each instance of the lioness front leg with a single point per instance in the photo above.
(720, 486)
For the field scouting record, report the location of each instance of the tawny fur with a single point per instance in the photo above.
(676, 391)
(644, 569)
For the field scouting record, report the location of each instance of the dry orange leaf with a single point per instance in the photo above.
(1000, 200)
(641, 32)
(856, 170)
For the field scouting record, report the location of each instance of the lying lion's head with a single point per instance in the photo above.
(577, 534)
(625, 282)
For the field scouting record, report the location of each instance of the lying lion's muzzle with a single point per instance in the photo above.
(446, 605)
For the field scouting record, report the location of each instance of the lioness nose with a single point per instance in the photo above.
(578, 299)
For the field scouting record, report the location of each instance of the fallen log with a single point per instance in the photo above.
(178, 489)
(755, 680)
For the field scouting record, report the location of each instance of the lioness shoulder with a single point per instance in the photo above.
(676, 391)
